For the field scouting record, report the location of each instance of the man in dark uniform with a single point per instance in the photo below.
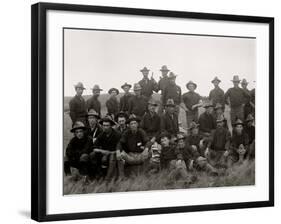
(169, 120)
(137, 103)
(104, 153)
(250, 131)
(207, 121)
(112, 103)
(133, 147)
(248, 109)
(191, 102)
(93, 102)
(216, 95)
(172, 91)
(163, 82)
(124, 100)
(147, 85)
(78, 149)
(150, 122)
(94, 129)
(77, 105)
(235, 98)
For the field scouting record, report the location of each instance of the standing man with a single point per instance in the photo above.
(172, 91)
(138, 102)
(250, 131)
(147, 85)
(77, 105)
(191, 102)
(151, 120)
(247, 100)
(124, 100)
(163, 82)
(235, 98)
(112, 104)
(216, 95)
(169, 120)
(93, 102)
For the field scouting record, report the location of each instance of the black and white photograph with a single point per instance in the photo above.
(149, 111)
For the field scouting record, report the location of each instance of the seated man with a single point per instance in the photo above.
(206, 121)
(94, 129)
(250, 131)
(133, 147)
(104, 153)
(192, 150)
(169, 120)
(219, 145)
(151, 121)
(78, 149)
(239, 143)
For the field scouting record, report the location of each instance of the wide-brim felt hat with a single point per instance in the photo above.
(78, 125)
(244, 81)
(133, 118)
(208, 104)
(126, 84)
(152, 102)
(172, 75)
(145, 69)
(79, 85)
(170, 103)
(191, 83)
(235, 78)
(107, 119)
(96, 87)
(137, 86)
(220, 119)
(216, 79)
(164, 68)
(122, 114)
(92, 112)
(238, 122)
(113, 89)
(218, 106)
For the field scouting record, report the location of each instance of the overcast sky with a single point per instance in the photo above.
(111, 58)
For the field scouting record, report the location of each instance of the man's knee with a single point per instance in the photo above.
(84, 158)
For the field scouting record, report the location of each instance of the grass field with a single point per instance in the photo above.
(239, 175)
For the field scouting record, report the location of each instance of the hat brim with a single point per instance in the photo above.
(216, 80)
(162, 70)
(137, 89)
(188, 84)
(107, 120)
(130, 86)
(144, 70)
(94, 115)
(193, 127)
(73, 129)
(97, 89)
(169, 105)
(110, 91)
(133, 119)
(236, 80)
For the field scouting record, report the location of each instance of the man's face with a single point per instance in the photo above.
(79, 133)
(79, 91)
(173, 80)
(244, 85)
(219, 111)
(145, 74)
(194, 131)
(122, 121)
(126, 89)
(92, 120)
(96, 92)
(249, 123)
(209, 110)
(236, 84)
(216, 83)
(113, 93)
(106, 126)
(191, 87)
(165, 141)
(181, 143)
(220, 124)
(151, 108)
(165, 73)
(170, 109)
(138, 92)
(239, 128)
(133, 125)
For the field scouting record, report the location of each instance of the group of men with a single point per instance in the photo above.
(139, 134)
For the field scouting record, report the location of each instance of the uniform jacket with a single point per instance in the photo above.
(108, 142)
(124, 102)
(163, 82)
(137, 105)
(250, 131)
(112, 106)
(94, 103)
(151, 123)
(172, 91)
(207, 122)
(148, 86)
(76, 147)
(94, 133)
(190, 99)
(77, 107)
(216, 95)
(237, 96)
(170, 123)
(220, 139)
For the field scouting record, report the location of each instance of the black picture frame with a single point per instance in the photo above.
(38, 108)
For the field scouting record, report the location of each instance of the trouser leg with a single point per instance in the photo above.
(84, 164)
(111, 167)
(66, 167)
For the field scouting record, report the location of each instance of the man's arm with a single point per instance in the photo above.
(72, 113)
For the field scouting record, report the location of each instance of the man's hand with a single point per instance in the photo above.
(118, 155)
(153, 139)
(190, 167)
(207, 153)
(226, 153)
